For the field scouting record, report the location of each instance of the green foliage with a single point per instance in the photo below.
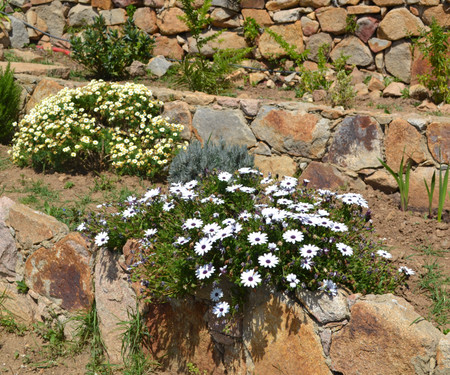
(342, 93)
(405, 93)
(351, 25)
(206, 231)
(52, 332)
(198, 161)
(434, 46)
(7, 320)
(251, 29)
(9, 104)
(197, 72)
(402, 179)
(22, 287)
(98, 126)
(135, 338)
(106, 53)
(430, 193)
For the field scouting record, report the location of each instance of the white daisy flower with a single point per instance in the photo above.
(384, 254)
(204, 272)
(293, 236)
(281, 193)
(221, 309)
(250, 278)
(233, 188)
(223, 233)
(407, 271)
(266, 180)
(211, 229)
(272, 246)
(284, 201)
(329, 287)
(245, 216)
(191, 184)
(192, 223)
(216, 294)
(81, 227)
(309, 251)
(182, 240)
(271, 189)
(101, 238)
(129, 212)
(150, 232)
(307, 263)
(224, 176)
(203, 246)
(344, 249)
(151, 193)
(339, 227)
(168, 206)
(247, 189)
(257, 238)
(268, 260)
(292, 279)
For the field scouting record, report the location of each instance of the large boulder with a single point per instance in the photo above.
(399, 23)
(54, 17)
(398, 60)
(292, 132)
(291, 33)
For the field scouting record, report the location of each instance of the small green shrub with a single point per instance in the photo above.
(197, 161)
(434, 45)
(106, 53)
(9, 104)
(197, 72)
(351, 26)
(342, 93)
(98, 126)
(251, 29)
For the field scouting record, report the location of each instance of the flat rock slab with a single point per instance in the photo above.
(38, 69)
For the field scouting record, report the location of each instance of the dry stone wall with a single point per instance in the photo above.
(381, 40)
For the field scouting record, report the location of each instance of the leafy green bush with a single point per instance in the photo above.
(197, 161)
(106, 53)
(249, 231)
(99, 125)
(9, 104)
(197, 72)
(342, 93)
(434, 45)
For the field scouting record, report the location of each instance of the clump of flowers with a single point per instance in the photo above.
(247, 231)
(96, 126)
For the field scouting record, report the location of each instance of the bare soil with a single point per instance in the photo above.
(413, 239)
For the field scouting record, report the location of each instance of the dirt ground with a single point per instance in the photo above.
(414, 240)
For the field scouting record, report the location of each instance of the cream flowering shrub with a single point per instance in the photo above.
(98, 126)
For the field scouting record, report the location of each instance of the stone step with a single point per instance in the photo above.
(37, 69)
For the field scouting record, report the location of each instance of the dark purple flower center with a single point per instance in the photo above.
(268, 261)
(250, 278)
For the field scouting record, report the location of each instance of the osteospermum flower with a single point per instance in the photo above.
(309, 251)
(168, 206)
(81, 227)
(257, 238)
(307, 263)
(101, 238)
(211, 229)
(150, 232)
(268, 260)
(329, 287)
(245, 216)
(250, 278)
(344, 249)
(192, 223)
(407, 271)
(204, 272)
(182, 240)
(216, 294)
(203, 246)
(224, 176)
(292, 279)
(293, 236)
(384, 254)
(221, 309)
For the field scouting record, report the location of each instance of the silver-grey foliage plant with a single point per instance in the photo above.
(197, 161)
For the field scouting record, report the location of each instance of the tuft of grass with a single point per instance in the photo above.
(436, 284)
(7, 320)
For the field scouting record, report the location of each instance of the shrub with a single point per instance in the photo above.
(434, 45)
(197, 72)
(248, 231)
(106, 53)
(95, 126)
(9, 104)
(196, 161)
(342, 93)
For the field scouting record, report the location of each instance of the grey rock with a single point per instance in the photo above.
(356, 144)
(8, 252)
(114, 16)
(290, 15)
(227, 4)
(398, 61)
(324, 308)
(228, 124)
(19, 35)
(250, 107)
(352, 46)
(262, 149)
(159, 66)
(53, 15)
(81, 15)
(419, 123)
(315, 41)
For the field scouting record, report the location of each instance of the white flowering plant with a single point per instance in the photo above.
(98, 126)
(248, 231)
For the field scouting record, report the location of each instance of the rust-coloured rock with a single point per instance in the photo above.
(180, 336)
(399, 23)
(44, 88)
(402, 139)
(102, 4)
(145, 19)
(33, 227)
(281, 165)
(438, 136)
(62, 273)
(292, 33)
(170, 24)
(440, 13)
(323, 176)
(417, 191)
(178, 112)
(383, 181)
(356, 143)
(259, 15)
(332, 20)
(298, 134)
(385, 336)
(168, 47)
